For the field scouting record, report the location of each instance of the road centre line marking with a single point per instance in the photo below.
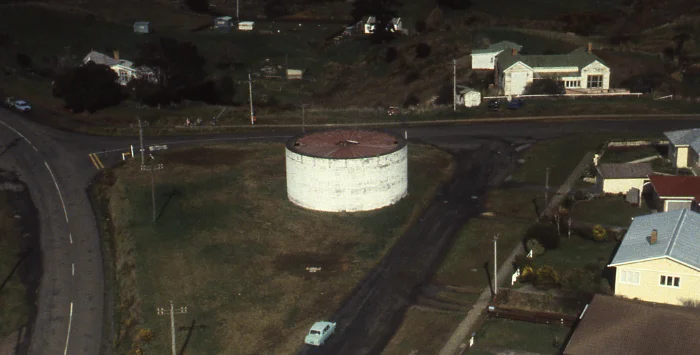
(92, 159)
(70, 322)
(72, 269)
(96, 161)
(99, 161)
(60, 195)
(70, 237)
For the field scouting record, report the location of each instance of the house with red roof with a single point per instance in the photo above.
(675, 192)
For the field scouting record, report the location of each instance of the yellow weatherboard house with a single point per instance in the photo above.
(659, 259)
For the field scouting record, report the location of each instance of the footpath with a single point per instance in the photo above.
(457, 341)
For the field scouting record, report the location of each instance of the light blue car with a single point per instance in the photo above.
(319, 333)
(22, 106)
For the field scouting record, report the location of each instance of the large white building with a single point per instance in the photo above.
(126, 71)
(486, 58)
(346, 170)
(580, 70)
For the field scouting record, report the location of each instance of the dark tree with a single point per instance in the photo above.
(391, 54)
(420, 26)
(454, 4)
(275, 8)
(545, 87)
(89, 87)
(148, 93)
(545, 233)
(24, 61)
(227, 89)
(411, 100)
(177, 64)
(200, 6)
(383, 11)
(422, 50)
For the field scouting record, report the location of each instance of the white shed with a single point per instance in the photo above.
(486, 58)
(468, 97)
(245, 25)
(621, 178)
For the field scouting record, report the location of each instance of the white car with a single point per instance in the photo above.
(319, 333)
(22, 106)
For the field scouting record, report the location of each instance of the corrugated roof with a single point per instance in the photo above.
(99, 58)
(579, 58)
(678, 237)
(465, 89)
(498, 47)
(346, 144)
(625, 170)
(686, 137)
(676, 186)
(616, 326)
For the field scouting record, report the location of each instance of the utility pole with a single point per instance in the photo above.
(250, 97)
(237, 18)
(172, 312)
(495, 265)
(152, 169)
(454, 84)
(141, 140)
(303, 118)
(546, 190)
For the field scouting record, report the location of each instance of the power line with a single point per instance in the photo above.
(172, 312)
(454, 84)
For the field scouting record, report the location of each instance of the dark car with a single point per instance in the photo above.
(494, 105)
(516, 103)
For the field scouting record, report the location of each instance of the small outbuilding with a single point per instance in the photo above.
(246, 25)
(468, 97)
(675, 192)
(295, 74)
(142, 27)
(621, 178)
(223, 23)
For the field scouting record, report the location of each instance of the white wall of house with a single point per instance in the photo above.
(677, 204)
(595, 70)
(484, 60)
(516, 78)
(642, 280)
(678, 155)
(616, 186)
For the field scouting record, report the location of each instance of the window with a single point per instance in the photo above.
(629, 277)
(491, 60)
(595, 81)
(572, 83)
(670, 281)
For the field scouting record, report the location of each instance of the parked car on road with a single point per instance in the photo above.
(494, 105)
(22, 106)
(319, 333)
(393, 111)
(516, 103)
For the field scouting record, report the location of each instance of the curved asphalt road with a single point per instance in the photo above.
(55, 166)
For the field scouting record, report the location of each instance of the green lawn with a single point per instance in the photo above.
(608, 210)
(231, 247)
(424, 331)
(541, 9)
(624, 155)
(473, 247)
(498, 334)
(14, 309)
(576, 252)
(532, 44)
(514, 203)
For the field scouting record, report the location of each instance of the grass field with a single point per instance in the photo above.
(577, 252)
(231, 247)
(423, 332)
(609, 211)
(14, 309)
(515, 203)
(624, 155)
(498, 334)
(473, 247)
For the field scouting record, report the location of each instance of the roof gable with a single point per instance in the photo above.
(676, 186)
(579, 58)
(498, 47)
(678, 238)
(686, 137)
(100, 58)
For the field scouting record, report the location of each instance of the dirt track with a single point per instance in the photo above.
(373, 312)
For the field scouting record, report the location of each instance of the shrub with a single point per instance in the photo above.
(527, 274)
(521, 261)
(545, 233)
(535, 246)
(420, 26)
(434, 19)
(546, 277)
(580, 280)
(411, 100)
(144, 335)
(599, 233)
(391, 54)
(411, 77)
(422, 50)
(545, 87)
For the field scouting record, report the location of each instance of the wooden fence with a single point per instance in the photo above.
(532, 316)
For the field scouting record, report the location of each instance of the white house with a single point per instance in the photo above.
(486, 58)
(468, 97)
(126, 71)
(621, 178)
(395, 26)
(683, 148)
(579, 70)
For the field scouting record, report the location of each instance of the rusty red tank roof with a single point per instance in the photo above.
(346, 144)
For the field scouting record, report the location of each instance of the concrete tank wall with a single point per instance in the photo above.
(350, 185)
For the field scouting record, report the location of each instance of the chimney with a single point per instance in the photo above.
(513, 52)
(654, 236)
(590, 47)
(116, 54)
